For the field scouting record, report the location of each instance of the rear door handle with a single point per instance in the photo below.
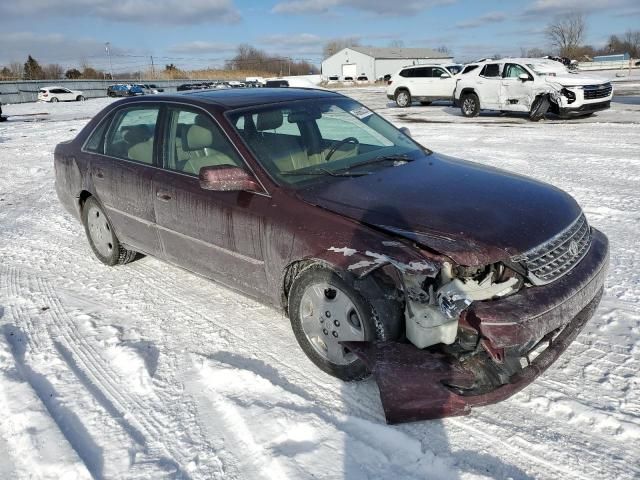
(163, 196)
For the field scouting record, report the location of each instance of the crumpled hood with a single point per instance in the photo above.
(569, 80)
(472, 213)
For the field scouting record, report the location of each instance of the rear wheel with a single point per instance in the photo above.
(102, 238)
(403, 98)
(470, 105)
(80, 98)
(326, 308)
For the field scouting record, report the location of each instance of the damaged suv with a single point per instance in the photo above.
(453, 283)
(529, 85)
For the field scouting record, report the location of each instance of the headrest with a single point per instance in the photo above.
(269, 120)
(202, 120)
(198, 137)
(137, 134)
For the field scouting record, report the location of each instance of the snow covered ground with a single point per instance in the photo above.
(147, 371)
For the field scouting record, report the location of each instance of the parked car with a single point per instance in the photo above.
(333, 80)
(529, 85)
(124, 90)
(59, 94)
(348, 81)
(276, 83)
(192, 86)
(307, 200)
(362, 80)
(421, 83)
(150, 88)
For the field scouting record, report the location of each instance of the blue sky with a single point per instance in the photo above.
(196, 33)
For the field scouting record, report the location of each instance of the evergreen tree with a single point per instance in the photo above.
(33, 70)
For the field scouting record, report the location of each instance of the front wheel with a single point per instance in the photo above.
(102, 238)
(470, 105)
(54, 99)
(79, 98)
(325, 309)
(539, 108)
(403, 99)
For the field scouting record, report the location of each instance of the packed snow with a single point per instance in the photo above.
(148, 371)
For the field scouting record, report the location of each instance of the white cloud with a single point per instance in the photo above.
(295, 40)
(560, 7)
(135, 11)
(381, 7)
(200, 47)
(488, 18)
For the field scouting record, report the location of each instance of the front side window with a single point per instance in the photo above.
(438, 72)
(300, 142)
(132, 134)
(513, 70)
(194, 141)
(490, 70)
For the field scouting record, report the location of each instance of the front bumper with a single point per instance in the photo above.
(412, 382)
(584, 108)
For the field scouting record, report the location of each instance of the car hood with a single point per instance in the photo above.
(472, 213)
(570, 80)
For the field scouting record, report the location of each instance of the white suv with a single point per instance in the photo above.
(529, 85)
(422, 83)
(59, 94)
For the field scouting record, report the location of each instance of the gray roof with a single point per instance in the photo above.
(400, 52)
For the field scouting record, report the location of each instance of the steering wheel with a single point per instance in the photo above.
(338, 143)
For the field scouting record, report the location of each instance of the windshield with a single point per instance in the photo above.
(307, 141)
(454, 69)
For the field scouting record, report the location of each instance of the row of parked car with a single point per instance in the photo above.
(133, 89)
(530, 85)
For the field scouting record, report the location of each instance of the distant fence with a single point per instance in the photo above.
(27, 91)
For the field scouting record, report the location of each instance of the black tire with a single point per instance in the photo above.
(403, 98)
(539, 108)
(79, 98)
(54, 99)
(425, 104)
(116, 254)
(111, 94)
(368, 316)
(470, 105)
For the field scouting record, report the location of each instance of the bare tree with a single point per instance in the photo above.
(17, 69)
(53, 71)
(334, 46)
(632, 42)
(444, 49)
(396, 44)
(566, 33)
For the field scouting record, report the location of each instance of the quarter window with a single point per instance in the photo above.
(195, 141)
(132, 135)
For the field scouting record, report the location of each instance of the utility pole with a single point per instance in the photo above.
(153, 69)
(106, 46)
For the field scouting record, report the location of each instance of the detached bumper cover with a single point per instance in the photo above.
(412, 382)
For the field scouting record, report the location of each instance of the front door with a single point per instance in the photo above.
(215, 234)
(121, 166)
(515, 94)
(442, 87)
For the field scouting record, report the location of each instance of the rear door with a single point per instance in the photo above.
(488, 86)
(121, 164)
(216, 234)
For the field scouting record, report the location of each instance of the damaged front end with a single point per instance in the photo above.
(477, 335)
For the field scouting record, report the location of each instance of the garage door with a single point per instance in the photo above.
(350, 70)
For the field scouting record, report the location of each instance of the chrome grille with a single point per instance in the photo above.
(592, 92)
(551, 260)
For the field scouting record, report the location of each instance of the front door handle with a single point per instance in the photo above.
(163, 196)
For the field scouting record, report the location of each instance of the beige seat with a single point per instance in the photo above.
(141, 141)
(197, 147)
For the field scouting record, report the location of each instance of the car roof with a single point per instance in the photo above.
(239, 98)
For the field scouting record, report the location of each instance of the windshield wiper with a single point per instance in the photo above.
(380, 159)
(322, 172)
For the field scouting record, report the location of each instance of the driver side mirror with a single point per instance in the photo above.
(524, 77)
(227, 178)
(406, 131)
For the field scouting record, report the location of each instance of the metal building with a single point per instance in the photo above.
(375, 63)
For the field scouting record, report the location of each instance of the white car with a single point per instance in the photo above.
(59, 94)
(530, 85)
(421, 83)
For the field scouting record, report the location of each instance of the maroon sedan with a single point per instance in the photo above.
(453, 283)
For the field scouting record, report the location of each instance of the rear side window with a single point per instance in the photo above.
(469, 68)
(132, 134)
(490, 70)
